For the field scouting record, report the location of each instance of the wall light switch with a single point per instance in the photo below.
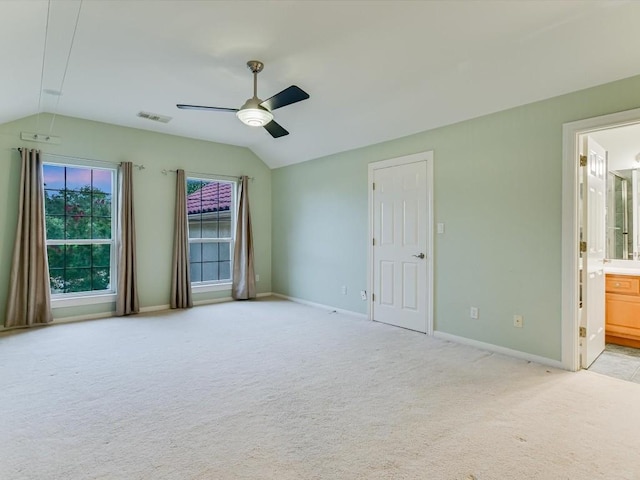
(440, 227)
(363, 294)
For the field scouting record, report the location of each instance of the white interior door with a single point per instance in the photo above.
(400, 251)
(594, 231)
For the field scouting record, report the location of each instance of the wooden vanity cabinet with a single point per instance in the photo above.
(622, 310)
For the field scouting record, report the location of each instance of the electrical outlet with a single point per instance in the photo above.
(344, 289)
(474, 313)
(257, 278)
(518, 321)
(363, 294)
(440, 227)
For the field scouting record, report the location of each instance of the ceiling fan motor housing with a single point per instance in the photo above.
(255, 66)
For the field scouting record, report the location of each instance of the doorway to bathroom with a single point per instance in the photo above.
(601, 244)
(621, 264)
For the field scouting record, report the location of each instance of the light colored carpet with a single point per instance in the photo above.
(276, 390)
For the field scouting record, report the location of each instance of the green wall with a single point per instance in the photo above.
(497, 188)
(154, 195)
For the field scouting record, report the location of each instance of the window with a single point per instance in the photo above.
(210, 207)
(80, 229)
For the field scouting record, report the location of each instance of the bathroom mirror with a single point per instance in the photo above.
(622, 215)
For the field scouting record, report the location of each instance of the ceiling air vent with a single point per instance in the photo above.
(155, 117)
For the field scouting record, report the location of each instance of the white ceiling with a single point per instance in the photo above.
(375, 70)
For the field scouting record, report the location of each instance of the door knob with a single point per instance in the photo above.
(420, 255)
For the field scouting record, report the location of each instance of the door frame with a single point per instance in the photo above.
(571, 132)
(426, 157)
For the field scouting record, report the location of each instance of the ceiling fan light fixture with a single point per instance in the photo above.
(254, 117)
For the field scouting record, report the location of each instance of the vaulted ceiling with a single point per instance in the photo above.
(375, 70)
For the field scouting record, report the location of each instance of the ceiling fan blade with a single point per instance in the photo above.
(202, 107)
(286, 97)
(275, 129)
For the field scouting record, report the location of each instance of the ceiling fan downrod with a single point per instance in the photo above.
(256, 67)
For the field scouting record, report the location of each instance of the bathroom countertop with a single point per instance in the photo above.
(622, 270)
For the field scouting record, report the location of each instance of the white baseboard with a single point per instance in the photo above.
(225, 299)
(155, 308)
(152, 308)
(80, 318)
(320, 305)
(210, 301)
(498, 349)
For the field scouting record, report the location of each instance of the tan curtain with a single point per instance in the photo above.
(181, 272)
(244, 277)
(29, 301)
(127, 302)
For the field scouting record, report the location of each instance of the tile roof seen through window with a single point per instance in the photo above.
(212, 197)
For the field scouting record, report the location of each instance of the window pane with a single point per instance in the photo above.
(55, 227)
(78, 280)
(209, 271)
(55, 254)
(78, 256)
(210, 225)
(193, 186)
(101, 205)
(102, 181)
(56, 280)
(196, 272)
(225, 270)
(101, 279)
(224, 225)
(78, 227)
(54, 202)
(101, 227)
(78, 179)
(78, 203)
(195, 229)
(225, 251)
(211, 197)
(209, 252)
(195, 252)
(53, 176)
(225, 197)
(101, 255)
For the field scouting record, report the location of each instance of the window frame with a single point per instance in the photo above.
(93, 296)
(215, 285)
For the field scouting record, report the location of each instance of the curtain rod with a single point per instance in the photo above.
(139, 167)
(235, 177)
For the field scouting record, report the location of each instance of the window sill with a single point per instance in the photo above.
(210, 287)
(83, 300)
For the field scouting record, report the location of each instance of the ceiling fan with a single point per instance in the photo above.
(255, 112)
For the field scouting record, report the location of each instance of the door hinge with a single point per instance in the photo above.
(583, 247)
(583, 332)
(373, 242)
(373, 297)
(374, 185)
(583, 160)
